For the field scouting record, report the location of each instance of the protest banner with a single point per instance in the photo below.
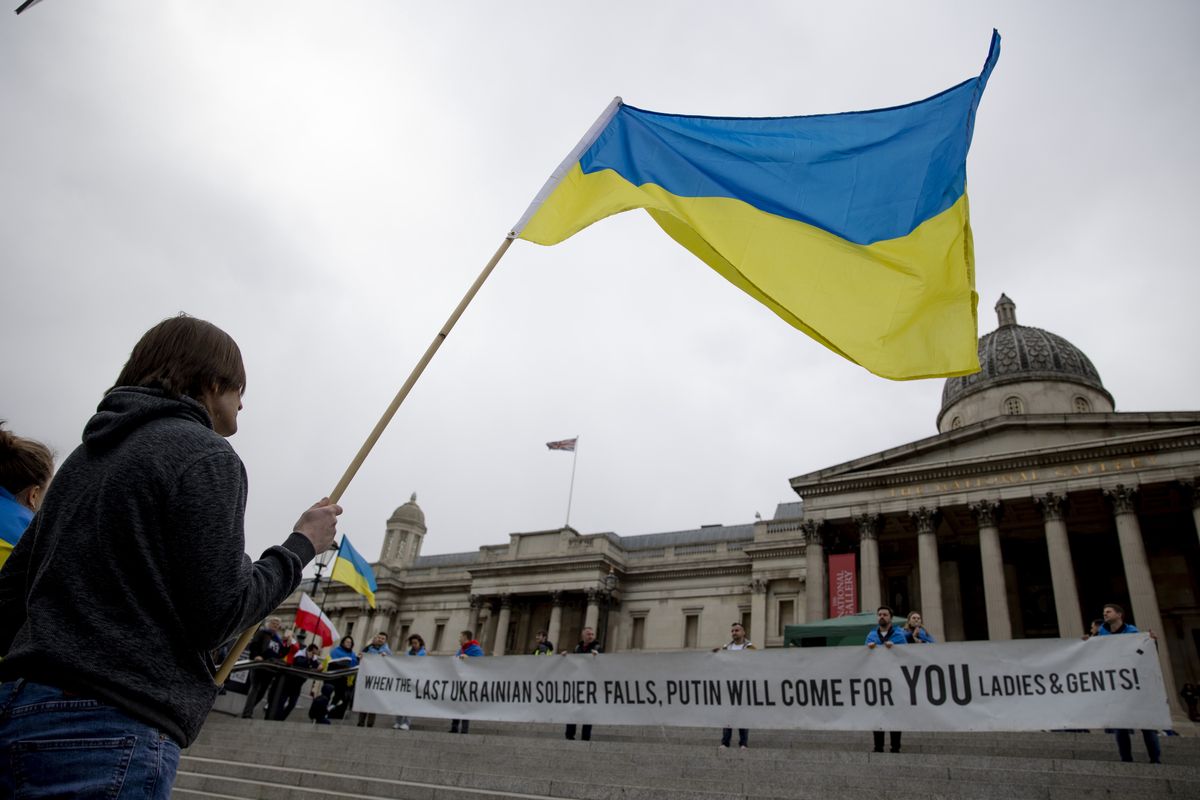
(1112, 682)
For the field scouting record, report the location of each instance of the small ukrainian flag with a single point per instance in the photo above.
(353, 570)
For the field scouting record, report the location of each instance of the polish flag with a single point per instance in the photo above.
(311, 618)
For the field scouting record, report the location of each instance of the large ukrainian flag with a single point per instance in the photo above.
(851, 227)
(353, 570)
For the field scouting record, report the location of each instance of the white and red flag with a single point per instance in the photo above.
(309, 617)
(565, 444)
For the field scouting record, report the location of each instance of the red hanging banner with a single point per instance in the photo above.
(843, 586)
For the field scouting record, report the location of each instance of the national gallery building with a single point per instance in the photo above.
(1034, 504)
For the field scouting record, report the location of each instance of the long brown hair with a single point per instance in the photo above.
(185, 356)
(23, 462)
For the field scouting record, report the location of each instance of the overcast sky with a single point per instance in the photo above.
(324, 181)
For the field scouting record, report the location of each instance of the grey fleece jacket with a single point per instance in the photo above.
(137, 556)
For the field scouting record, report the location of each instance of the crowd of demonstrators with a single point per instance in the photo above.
(737, 641)
(25, 470)
(416, 647)
(468, 647)
(587, 644)
(378, 646)
(139, 538)
(1114, 624)
(887, 635)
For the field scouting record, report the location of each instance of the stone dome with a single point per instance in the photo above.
(410, 513)
(1014, 354)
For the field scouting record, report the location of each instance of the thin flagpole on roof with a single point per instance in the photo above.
(571, 491)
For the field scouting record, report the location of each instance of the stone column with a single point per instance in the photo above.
(473, 617)
(758, 612)
(501, 641)
(953, 629)
(524, 616)
(593, 610)
(1142, 598)
(1012, 582)
(931, 572)
(995, 593)
(870, 591)
(489, 643)
(1062, 568)
(1193, 493)
(388, 615)
(815, 599)
(555, 628)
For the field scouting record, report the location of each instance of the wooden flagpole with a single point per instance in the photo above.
(352, 470)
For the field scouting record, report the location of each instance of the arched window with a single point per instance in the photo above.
(1013, 405)
(1082, 406)
(956, 423)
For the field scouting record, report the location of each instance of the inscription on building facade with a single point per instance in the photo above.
(1017, 477)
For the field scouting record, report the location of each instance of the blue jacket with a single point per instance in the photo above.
(1104, 631)
(471, 648)
(382, 649)
(338, 653)
(922, 636)
(896, 637)
(409, 652)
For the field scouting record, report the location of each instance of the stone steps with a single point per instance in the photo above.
(244, 759)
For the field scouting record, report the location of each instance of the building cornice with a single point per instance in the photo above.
(1148, 443)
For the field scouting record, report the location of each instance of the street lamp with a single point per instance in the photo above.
(611, 582)
(322, 561)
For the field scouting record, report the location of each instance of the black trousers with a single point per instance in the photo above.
(284, 696)
(585, 736)
(260, 683)
(743, 737)
(895, 743)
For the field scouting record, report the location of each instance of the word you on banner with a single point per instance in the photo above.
(974, 686)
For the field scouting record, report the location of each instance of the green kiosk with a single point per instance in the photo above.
(848, 631)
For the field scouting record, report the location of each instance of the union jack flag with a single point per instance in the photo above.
(565, 444)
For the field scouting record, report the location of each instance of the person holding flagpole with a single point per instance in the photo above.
(139, 539)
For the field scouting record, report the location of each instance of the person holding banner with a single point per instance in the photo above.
(886, 635)
(542, 645)
(140, 538)
(341, 657)
(587, 644)
(378, 646)
(1114, 624)
(737, 641)
(416, 647)
(467, 648)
